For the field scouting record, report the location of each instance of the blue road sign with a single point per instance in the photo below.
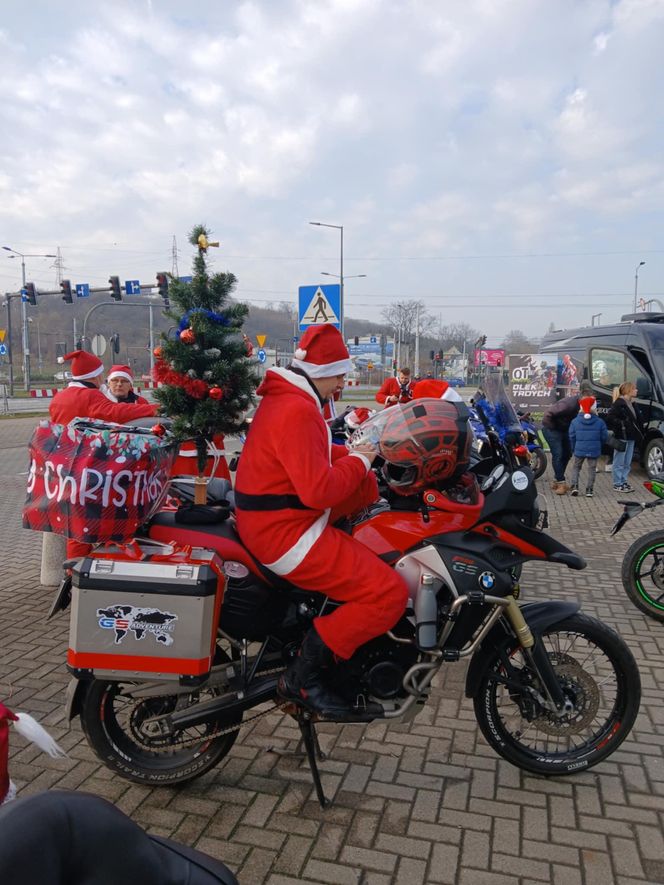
(24, 294)
(187, 278)
(82, 290)
(319, 305)
(132, 287)
(3, 350)
(373, 340)
(262, 356)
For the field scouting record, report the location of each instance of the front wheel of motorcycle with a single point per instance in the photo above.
(643, 574)
(129, 735)
(538, 462)
(600, 680)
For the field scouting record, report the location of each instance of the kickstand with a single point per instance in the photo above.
(311, 745)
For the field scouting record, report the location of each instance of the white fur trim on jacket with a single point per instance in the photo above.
(313, 370)
(293, 557)
(297, 381)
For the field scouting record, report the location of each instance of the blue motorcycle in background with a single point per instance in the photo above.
(514, 429)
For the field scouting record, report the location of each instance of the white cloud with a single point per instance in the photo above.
(477, 127)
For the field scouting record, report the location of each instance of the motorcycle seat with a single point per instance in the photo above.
(218, 490)
(82, 838)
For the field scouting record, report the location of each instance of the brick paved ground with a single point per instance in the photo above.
(424, 802)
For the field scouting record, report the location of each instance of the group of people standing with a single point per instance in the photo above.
(574, 431)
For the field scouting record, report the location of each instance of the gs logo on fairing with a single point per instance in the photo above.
(487, 580)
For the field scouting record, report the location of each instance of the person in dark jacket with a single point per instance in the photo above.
(587, 435)
(555, 427)
(624, 422)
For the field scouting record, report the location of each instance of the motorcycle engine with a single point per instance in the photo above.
(379, 667)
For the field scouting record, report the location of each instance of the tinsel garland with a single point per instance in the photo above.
(193, 386)
(210, 314)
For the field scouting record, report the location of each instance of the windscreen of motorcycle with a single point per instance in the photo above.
(502, 413)
(411, 434)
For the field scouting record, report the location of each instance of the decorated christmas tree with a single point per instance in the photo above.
(204, 364)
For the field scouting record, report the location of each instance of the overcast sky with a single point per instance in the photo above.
(502, 160)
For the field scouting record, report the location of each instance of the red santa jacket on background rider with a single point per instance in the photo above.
(82, 398)
(292, 484)
(392, 387)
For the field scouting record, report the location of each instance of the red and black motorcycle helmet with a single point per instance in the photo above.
(425, 444)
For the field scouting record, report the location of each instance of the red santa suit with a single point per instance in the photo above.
(391, 387)
(78, 400)
(292, 485)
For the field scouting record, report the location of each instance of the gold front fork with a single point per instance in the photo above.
(519, 625)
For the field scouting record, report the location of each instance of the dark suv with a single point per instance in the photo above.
(632, 350)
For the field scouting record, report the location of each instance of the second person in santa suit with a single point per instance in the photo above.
(120, 386)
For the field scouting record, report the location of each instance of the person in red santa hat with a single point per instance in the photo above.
(83, 398)
(120, 386)
(432, 388)
(396, 390)
(292, 485)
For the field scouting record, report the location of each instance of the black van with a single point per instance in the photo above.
(631, 350)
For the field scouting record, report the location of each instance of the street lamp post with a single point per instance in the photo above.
(340, 228)
(636, 282)
(24, 311)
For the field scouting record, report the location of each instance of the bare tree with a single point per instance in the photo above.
(517, 341)
(456, 335)
(403, 317)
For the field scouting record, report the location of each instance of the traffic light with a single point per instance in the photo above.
(162, 287)
(116, 289)
(65, 285)
(432, 355)
(357, 340)
(115, 342)
(30, 293)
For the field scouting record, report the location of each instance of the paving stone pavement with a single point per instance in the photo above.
(424, 802)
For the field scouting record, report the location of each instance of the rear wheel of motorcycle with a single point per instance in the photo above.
(116, 727)
(596, 671)
(538, 462)
(643, 574)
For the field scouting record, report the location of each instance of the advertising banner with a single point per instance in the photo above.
(489, 357)
(533, 378)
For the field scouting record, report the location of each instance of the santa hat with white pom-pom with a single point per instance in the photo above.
(322, 353)
(32, 731)
(84, 365)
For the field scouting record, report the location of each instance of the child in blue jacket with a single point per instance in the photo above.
(587, 434)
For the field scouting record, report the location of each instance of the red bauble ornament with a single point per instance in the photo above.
(216, 393)
(158, 430)
(188, 336)
(158, 352)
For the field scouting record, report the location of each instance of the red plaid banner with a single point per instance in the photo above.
(95, 482)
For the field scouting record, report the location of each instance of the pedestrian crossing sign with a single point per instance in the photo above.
(320, 305)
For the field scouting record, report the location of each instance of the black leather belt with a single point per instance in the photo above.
(269, 502)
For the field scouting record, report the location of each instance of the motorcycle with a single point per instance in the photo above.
(515, 429)
(643, 564)
(554, 691)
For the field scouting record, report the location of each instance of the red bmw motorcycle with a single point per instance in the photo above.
(554, 690)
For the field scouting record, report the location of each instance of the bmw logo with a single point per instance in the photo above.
(487, 580)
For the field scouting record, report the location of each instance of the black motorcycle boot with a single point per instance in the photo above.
(304, 683)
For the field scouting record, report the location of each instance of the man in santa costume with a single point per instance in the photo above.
(83, 398)
(120, 386)
(396, 390)
(292, 485)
